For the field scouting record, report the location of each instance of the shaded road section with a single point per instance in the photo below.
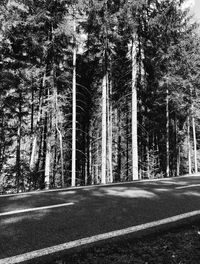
(73, 214)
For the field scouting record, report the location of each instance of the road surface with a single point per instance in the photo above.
(46, 222)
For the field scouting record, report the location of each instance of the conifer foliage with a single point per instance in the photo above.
(97, 91)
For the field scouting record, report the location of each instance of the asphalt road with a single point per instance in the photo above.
(89, 211)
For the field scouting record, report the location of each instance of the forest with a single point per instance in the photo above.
(97, 91)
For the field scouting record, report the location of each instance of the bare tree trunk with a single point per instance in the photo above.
(33, 152)
(110, 131)
(59, 132)
(127, 140)
(178, 150)
(61, 156)
(55, 158)
(178, 161)
(134, 113)
(47, 164)
(148, 157)
(167, 133)
(73, 178)
(18, 151)
(47, 147)
(39, 159)
(18, 158)
(119, 148)
(195, 145)
(104, 130)
(87, 154)
(34, 143)
(189, 149)
(32, 108)
(116, 142)
(3, 147)
(90, 158)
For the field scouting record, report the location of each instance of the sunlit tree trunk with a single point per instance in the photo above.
(47, 164)
(178, 161)
(55, 159)
(56, 124)
(178, 150)
(61, 142)
(115, 135)
(47, 145)
(148, 157)
(32, 108)
(34, 143)
(3, 147)
(167, 133)
(18, 151)
(127, 140)
(90, 158)
(87, 160)
(189, 148)
(73, 177)
(110, 138)
(195, 145)
(119, 147)
(104, 130)
(134, 113)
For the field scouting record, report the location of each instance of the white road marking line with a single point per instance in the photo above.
(92, 239)
(35, 209)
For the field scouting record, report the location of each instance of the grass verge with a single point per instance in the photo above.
(178, 246)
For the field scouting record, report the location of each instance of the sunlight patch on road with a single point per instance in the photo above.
(129, 192)
(66, 192)
(13, 219)
(188, 186)
(35, 209)
(162, 190)
(88, 240)
(192, 193)
(173, 183)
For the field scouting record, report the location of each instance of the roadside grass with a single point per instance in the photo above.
(177, 246)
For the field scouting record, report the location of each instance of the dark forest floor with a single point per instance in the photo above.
(178, 246)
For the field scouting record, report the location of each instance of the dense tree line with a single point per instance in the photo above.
(97, 91)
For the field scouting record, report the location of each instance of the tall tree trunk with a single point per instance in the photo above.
(178, 161)
(104, 130)
(90, 158)
(195, 145)
(87, 159)
(119, 147)
(148, 158)
(73, 177)
(127, 140)
(189, 148)
(3, 146)
(110, 139)
(167, 133)
(18, 151)
(134, 112)
(55, 158)
(46, 147)
(56, 125)
(32, 108)
(36, 178)
(116, 135)
(47, 163)
(61, 156)
(34, 143)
